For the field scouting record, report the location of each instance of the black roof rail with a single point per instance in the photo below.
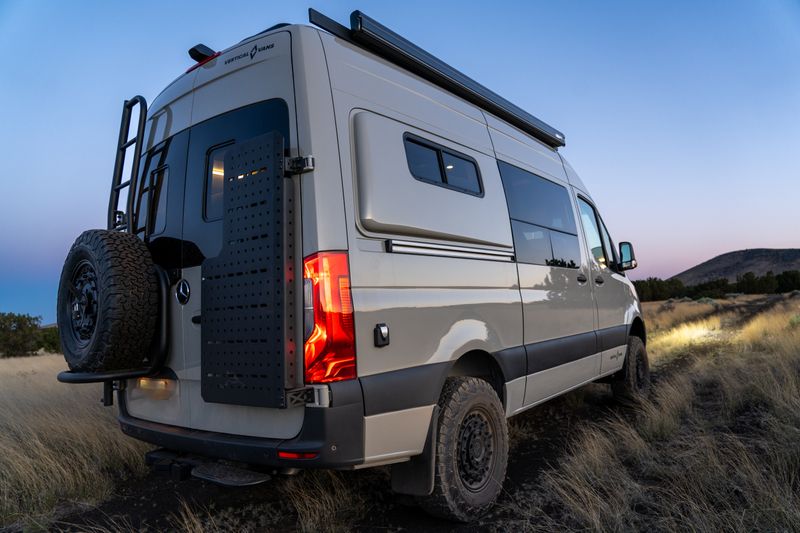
(377, 38)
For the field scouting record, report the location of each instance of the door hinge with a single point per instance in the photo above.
(298, 165)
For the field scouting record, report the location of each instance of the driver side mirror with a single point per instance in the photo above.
(627, 256)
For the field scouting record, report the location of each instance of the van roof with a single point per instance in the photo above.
(380, 40)
(369, 34)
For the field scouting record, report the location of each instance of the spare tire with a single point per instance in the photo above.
(107, 302)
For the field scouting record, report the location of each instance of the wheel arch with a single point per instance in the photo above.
(637, 329)
(483, 365)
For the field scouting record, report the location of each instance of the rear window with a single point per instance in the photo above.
(439, 165)
(212, 139)
(215, 182)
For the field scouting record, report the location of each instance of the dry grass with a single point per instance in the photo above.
(715, 448)
(326, 500)
(316, 501)
(686, 338)
(665, 315)
(58, 444)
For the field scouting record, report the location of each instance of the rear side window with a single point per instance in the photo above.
(423, 162)
(536, 200)
(438, 165)
(542, 219)
(461, 173)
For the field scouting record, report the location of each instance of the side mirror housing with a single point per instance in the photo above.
(627, 256)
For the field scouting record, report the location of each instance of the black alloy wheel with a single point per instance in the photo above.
(475, 450)
(83, 300)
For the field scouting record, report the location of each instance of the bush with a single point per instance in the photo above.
(49, 340)
(22, 335)
(19, 334)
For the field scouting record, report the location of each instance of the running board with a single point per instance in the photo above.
(229, 476)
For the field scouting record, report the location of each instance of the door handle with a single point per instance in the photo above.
(582, 278)
(599, 280)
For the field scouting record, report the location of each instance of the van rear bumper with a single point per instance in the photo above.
(335, 433)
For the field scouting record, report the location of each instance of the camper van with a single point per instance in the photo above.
(326, 248)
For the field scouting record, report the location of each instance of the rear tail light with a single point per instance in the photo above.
(330, 346)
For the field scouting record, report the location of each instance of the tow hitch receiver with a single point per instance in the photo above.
(181, 467)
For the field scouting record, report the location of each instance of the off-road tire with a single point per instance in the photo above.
(632, 382)
(108, 324)
(467, 400)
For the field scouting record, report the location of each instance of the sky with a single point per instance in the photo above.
(682, 117)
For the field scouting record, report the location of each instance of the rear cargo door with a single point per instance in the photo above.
(234, 254)
(236, 243)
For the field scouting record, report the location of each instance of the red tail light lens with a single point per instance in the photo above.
(330, 347)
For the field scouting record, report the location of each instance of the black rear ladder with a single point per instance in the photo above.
(121, 220)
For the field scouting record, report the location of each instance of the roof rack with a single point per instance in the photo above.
(377, 38)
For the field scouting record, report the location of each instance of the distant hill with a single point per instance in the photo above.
(759, 261)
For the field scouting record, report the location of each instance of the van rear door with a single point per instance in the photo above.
(235, 250)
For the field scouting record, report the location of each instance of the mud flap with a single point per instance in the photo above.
(244, 288)
(415, 477)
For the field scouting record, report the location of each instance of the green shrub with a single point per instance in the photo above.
(19, 334)
(49, 340)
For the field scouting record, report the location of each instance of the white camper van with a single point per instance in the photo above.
(336, 251)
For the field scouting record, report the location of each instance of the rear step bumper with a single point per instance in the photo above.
(336, 433)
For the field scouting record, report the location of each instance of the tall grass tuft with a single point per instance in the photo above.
(714, 448)
(58, 444)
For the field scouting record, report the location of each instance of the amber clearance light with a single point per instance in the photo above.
(330, 349)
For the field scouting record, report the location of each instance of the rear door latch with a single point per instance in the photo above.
(298, 165)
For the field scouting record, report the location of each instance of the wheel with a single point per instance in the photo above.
(471, 451)
(633, 381)
(107, 302)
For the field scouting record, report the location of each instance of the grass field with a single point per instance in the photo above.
(714, 448)
(58, 444)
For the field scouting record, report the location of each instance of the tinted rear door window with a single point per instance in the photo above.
(209, 141)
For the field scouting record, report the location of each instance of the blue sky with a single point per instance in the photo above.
(683, 118)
